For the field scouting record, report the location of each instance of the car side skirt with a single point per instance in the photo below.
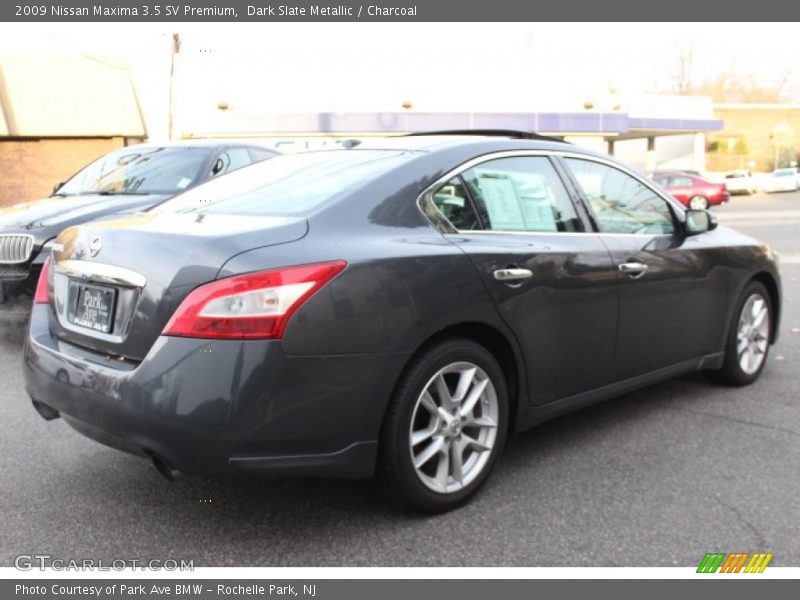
(356, 461)
(531, 416)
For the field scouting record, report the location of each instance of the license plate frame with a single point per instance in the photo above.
(94, 307)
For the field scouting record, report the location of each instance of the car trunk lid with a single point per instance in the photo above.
(116, 283)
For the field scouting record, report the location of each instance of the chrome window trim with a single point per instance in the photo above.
(681, 214)
(30, 243)
(554, 233)
(428, 209)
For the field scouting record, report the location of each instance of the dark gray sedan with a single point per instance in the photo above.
(394, 307)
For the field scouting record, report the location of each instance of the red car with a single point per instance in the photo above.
(692, 191)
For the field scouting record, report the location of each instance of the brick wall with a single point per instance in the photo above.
(29, 168)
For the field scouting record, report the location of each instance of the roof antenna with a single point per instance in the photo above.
(349, 143)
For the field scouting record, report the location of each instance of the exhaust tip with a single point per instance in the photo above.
(165, 468)
(48, 413)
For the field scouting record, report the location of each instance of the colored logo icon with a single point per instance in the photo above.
(737, 562)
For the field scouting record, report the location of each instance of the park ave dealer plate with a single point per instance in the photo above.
(94, 308)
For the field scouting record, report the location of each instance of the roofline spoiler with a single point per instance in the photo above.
(512, 133)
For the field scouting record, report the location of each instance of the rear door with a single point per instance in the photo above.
(669, 288)
(553, 281)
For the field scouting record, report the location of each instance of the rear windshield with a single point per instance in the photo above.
(292, 184)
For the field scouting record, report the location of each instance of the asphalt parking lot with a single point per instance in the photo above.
(654, 478)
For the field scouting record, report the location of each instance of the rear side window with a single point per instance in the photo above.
(521, 194)
(453, 202)
(679, 181)
(621, 203)
(289, 184)
(259, 154)
(230, 160)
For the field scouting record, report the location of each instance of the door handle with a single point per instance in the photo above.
(634, 269)
(505, 275)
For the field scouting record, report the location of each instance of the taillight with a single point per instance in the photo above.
(251, 306)
(42, 295)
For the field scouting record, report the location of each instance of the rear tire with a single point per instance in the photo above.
(749, 335)
(445, 426)
(698, 203)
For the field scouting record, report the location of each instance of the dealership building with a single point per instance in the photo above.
(58, 113)
(655, 132)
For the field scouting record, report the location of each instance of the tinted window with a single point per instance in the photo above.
(453, 202)
(621, 203)
(259, 154)
(679, 181)
(141, 170)
(289, 184)
(521, 194)
(230, 160)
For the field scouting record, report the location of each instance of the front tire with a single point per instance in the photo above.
(750, 332)
(445, 426)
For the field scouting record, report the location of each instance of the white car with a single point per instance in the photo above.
(782, 180)
(740, 182)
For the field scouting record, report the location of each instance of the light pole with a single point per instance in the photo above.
(176, 48)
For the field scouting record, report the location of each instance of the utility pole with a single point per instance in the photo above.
(176, 48)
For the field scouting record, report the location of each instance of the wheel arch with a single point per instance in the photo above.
(768, 281)
(499, 345)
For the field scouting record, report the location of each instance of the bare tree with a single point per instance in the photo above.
(727, 86)
(682, 75)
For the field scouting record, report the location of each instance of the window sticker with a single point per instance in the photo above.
(502, 202)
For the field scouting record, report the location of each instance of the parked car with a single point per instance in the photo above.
(692, 191)
(782, 180)
(398, 307)
(740, 181)
(125, 181)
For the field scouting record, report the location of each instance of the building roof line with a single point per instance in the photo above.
(757, 105)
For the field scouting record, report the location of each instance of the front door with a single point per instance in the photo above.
(669, 290)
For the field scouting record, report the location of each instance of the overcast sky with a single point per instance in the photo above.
(259, 69)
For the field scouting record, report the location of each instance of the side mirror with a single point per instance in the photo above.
(57, 187)
(700, 221)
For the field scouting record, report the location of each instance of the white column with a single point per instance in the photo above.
(699, 152)
(650, 162)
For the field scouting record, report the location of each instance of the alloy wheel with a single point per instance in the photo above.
(752, 337)
(454, 427)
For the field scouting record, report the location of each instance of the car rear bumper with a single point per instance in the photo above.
(719, 198)
(16, 278)
(218, 408)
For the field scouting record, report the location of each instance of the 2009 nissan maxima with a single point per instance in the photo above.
(396, 307)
